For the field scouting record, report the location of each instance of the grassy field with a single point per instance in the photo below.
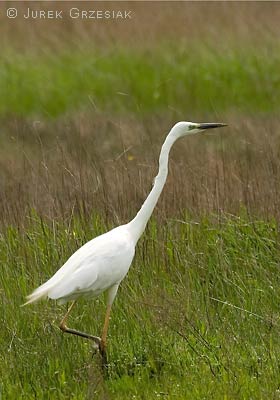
(83, 112)
(197, 316)
(126, 81)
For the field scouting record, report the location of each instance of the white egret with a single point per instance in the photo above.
(102, 263)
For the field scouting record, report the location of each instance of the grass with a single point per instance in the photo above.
(90, 163)
(82, 120)
(197, 316)
(125, 81)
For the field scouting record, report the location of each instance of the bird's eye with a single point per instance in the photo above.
(191, 127)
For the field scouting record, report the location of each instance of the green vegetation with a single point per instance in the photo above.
(84, 108)
(146, 81)
(197, 316)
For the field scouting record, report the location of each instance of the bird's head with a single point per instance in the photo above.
(184, 128)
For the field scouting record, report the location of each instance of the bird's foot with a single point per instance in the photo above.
(103, 353)
(96, 341)
(100, 347)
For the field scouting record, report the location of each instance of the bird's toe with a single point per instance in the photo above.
(96, 340)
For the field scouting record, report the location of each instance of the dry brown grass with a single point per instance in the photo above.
(91, 164)
(151, 22)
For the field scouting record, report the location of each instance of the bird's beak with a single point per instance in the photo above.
(211, 125)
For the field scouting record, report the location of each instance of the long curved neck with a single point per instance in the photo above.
(138, 224)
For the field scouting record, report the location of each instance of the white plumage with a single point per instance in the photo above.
(97, 266)
(102, 263)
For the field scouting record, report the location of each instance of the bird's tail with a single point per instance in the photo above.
(40, 293)
(45, 289)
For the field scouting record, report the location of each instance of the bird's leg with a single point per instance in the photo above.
(65, 329)
(62, 324)
(103, 342)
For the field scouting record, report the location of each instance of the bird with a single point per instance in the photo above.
(102, 263)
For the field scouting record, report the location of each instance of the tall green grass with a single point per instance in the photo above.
(197, 316)
(124, 80)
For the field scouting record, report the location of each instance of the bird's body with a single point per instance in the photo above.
(97, 266)
(102, 263)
